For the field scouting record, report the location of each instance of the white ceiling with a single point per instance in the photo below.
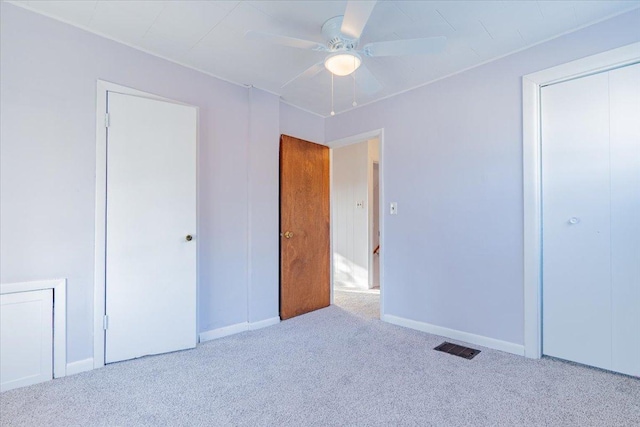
(208, 36)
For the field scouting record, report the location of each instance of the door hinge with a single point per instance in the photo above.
(105, 322)
(107, 121)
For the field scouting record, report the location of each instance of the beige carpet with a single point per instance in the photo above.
(339, 366)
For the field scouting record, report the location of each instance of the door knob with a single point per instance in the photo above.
(189, 238)
(574, 220)
(288, 234)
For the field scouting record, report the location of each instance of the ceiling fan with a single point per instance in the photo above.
(344, 56)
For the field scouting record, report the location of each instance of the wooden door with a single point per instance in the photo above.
(151, 217)
(304, 227)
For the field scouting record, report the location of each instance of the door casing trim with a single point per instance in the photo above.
(99, 282)
(379, 134)
(532, 185)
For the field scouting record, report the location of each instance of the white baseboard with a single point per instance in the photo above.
(223, 332)
(493, 343)
(80, 366)
(236, 329)
(264, 323)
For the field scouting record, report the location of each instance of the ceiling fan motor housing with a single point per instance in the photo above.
(335, 39)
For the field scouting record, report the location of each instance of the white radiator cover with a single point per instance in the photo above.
(26, 338)
(32, 332)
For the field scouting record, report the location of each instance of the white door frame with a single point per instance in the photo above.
(371, 195)
(532, 189)
(379, 134)
(99, 290)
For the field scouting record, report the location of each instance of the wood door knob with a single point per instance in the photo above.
(288, 234)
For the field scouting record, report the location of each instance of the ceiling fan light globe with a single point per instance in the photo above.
(342, 63)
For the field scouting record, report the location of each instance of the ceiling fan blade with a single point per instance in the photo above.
(405, 47)
(356, 17)
(308, 73)
(284, 40)
(367, 81)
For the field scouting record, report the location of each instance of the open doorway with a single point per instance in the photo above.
(355, 227)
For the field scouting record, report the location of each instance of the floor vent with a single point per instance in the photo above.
(457, 350)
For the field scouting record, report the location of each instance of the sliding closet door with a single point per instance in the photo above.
(576, 233)
(624, 96)
(591, 211)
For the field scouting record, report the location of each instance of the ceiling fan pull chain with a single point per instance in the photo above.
(333, 113)
(354, 87)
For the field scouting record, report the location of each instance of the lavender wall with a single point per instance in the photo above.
(47, 106)
(303, 125)
(453, 162)
(264, 172)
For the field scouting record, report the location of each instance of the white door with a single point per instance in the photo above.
(151, 209)
(624, 96)
(591, 220)
(26, 338)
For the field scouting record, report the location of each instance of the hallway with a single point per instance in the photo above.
(363, 303)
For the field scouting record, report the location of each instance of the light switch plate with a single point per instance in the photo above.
(393, 208)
